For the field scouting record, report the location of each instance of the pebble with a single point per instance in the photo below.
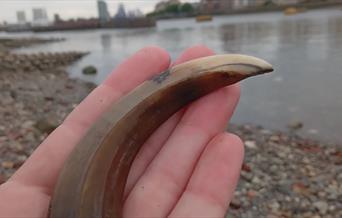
(322, 206)
(313, 131)
(246, 167)
(274, 206)
(235, 203)
(274, 168)
(246, 176)
(251, 194)
(250, 144)
(275, 138)
(256, 180)
(89, 70)
(28, 124)
(7, 164)
(295, 125)
(45, 125)
(306, 160)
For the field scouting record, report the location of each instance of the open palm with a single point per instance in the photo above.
(188, 168)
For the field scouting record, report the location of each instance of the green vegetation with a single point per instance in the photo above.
(269, 3)
(89, 70)
(174, 9)
(186, 8)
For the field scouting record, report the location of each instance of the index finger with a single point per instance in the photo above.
(43, 166)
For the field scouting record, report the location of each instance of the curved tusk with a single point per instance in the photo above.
(93, 179)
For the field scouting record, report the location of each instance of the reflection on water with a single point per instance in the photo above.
(236, 37)
(106, 43)
(305, 49)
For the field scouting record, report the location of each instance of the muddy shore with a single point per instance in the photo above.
(283, 175)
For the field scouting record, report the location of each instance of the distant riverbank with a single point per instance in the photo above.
(260, 9)
(84, 24)
(270, 8)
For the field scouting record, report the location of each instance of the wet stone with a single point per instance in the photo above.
(322, 206)
(251, 144)
(89, 70)
(235, 203)
(7, 164)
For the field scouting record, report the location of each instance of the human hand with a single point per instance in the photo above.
(188, 168)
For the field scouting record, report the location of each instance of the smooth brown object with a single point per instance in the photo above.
(93, 179)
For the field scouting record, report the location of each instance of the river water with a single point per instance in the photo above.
(305, 50)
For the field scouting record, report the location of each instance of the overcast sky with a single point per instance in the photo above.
(69, 8)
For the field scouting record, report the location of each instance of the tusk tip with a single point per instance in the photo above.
(258, 66)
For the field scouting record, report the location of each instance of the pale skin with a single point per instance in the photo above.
(188, 168)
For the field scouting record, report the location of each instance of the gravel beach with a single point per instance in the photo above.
(283, 175)
(36, 94)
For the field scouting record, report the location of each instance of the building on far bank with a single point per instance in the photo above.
(222, 6)
(287, 2)
(249, 3)
(134, 13)
(160, 6)
(103, 11)
(57, 18)
(40, 17)
(216, 6)
(21, 17)
(121, 13)
(196, 6)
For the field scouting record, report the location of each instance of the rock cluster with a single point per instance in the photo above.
(284, 175)
(7, 44)
(36, 62)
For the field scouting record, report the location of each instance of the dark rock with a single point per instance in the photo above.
(49, 98)
(13, 94)
(45, 126)
(89, 70)
(235, 203)
(246, 167)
